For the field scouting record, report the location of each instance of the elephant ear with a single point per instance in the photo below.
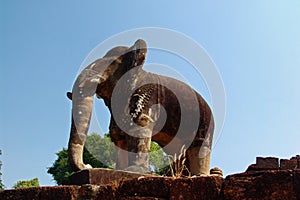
(133, 57)
(117, 51)
(139, 51)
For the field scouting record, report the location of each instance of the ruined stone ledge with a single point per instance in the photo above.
(270, 184)
(57, 192)
(136, 188)
(103, 176)
(273, 163)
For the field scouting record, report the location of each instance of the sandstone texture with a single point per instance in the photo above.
(273, 184)
(135, 188)
(103, 176)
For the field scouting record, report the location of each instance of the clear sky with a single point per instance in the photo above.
(254, 44)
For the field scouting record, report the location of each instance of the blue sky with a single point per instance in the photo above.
(255, 45)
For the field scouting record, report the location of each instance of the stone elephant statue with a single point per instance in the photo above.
(144, 107)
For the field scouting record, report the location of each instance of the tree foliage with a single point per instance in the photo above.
(158, 159)
(1, 184)
(25, 184)
(102, 148)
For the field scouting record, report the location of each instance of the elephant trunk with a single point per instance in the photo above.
(82, 104)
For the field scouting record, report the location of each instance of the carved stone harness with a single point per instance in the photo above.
(139, 104)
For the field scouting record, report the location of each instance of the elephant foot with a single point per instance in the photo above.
(83, 166)
(75, 157)
(137, 169)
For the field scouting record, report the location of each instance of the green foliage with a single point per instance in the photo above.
(1, 184)
(102, 148)
(158, 159)
(25, 184)
(61, 169)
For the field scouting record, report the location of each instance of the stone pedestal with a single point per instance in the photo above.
(100, 176)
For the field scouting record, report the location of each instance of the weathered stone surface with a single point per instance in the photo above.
(63, 192)
(146, 187)
(208, 187)
(268, 163)
(297, 183)
(36, 193)
(173, 188)
(286, 164)
(271, 184)
(137, 188)
(99, 176)
(251, 167)
(101, 192)
(141, 198)
(28, 193)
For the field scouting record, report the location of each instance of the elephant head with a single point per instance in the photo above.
(99, 77)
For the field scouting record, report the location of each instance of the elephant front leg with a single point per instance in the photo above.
(139, 142)
(122, 154)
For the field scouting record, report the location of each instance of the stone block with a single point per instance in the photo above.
(286, 164)
(37, 193)
(146, 187)
(59, 192)
(172, 188)
(268, 163)
(100, 176)
(205, 187)
(26, 193)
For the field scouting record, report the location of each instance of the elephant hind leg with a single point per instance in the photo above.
(199, 160)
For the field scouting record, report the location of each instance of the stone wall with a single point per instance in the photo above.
(269, 178)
